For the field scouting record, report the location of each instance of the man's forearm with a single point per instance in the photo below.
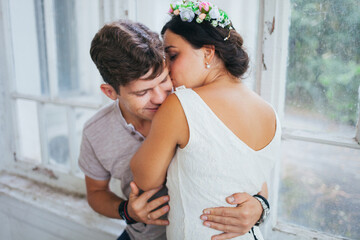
(105, 202)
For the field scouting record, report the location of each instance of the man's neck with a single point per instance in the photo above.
(140, 125)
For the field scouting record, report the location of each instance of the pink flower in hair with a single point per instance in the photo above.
(204, 6)
(171, 10)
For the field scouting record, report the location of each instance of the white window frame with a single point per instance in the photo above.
(274, 20)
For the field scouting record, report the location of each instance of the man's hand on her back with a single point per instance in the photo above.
(233, 221)
(143, 211)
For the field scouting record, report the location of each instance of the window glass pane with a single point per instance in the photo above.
(57, 136)
(75, 24)
(88, 23)
(28, 131)
(25, 47)
(319, 187)
(51, 48)
(323, 75)
(66, 42)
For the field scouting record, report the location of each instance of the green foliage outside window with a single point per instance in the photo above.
(324, 58)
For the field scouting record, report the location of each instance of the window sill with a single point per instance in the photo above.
(294, 232)
(71, 207)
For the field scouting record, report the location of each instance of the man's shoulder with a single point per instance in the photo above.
(103, 117)
(107, 128)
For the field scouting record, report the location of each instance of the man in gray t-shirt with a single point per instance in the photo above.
(130, 59)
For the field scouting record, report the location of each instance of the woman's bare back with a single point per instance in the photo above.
(246, 114)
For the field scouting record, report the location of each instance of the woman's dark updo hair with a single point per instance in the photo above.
(231, 51)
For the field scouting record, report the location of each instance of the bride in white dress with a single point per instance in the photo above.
(212, 137)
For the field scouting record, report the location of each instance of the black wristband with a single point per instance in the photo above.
(123, 212)
(265, 206)
(264, 199)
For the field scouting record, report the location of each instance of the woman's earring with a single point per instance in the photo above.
(207, 65)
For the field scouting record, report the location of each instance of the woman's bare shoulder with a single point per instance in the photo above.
(171, 118)
(170, 105)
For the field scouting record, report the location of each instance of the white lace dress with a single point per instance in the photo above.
(214, 164)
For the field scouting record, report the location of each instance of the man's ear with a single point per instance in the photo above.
(109, 91)
(209, 52)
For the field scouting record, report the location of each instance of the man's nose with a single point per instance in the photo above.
(159, 95)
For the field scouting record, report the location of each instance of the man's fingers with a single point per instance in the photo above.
(148, 194)
(156, 203)
(238, 198)
(158, 213)
(222, 211)
(236, 225)
(225, 236)
(221, 220)
(221, 227)
(134, 188)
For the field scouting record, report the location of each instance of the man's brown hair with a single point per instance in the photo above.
(124, 51)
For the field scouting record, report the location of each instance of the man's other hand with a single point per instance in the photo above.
(233, 221)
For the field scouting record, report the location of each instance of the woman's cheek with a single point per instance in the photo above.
(179, 67)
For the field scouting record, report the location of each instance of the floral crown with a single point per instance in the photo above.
(203, 10)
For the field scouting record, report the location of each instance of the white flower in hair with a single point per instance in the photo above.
(227, 22)
(214, 23)
(202, 10)
(214, 13)
(187, 14)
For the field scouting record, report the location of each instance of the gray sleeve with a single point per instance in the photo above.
(89, 163)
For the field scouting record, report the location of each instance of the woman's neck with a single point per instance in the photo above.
(219, 77)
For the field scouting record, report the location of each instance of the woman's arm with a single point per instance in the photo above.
(168, 130)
